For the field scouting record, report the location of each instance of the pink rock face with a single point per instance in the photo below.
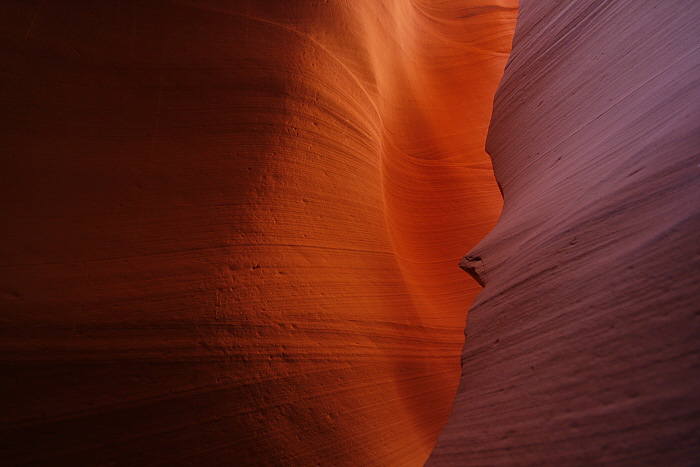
(583, 346)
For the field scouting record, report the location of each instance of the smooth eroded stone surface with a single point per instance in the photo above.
(583, 346)
(230, 230)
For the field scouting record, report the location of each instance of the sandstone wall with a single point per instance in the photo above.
(583, 346)
(230, 230)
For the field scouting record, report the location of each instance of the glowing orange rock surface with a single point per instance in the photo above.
(231, 231)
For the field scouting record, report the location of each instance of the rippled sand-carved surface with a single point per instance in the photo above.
(583, 347)
(231, 231)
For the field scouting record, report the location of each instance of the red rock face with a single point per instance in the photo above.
(583, 346)
(231, 229)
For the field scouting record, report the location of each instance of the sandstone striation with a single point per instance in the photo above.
(231, 229)
(583, 346)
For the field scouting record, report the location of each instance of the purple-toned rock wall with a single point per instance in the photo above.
(583, 346)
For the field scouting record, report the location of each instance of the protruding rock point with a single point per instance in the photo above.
(474, 266)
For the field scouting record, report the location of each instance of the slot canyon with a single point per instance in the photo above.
(334, 232)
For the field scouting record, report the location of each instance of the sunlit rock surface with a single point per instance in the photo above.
(583, 346)
(230, 230)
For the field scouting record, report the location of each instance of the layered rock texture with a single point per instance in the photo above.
(583, 346)
(230, 230)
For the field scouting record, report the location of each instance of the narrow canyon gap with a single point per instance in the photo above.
(231, 229)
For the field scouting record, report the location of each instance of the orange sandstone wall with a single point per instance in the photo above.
(230, 230)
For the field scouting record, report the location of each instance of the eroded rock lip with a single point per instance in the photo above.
(474, 266)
